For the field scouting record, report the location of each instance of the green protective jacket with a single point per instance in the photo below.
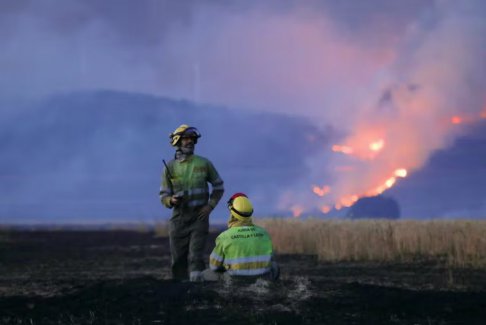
(190, 179)
(242, 251)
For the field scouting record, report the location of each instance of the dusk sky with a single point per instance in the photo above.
(374, 93)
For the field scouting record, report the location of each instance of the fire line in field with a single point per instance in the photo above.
(368, 152)
(349, 200)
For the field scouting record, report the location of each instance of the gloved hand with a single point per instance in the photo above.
(204, 212)
(175, 200)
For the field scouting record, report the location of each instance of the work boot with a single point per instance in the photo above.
(274, 271)
(196, 276)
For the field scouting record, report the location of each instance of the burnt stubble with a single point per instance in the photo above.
(122, 277)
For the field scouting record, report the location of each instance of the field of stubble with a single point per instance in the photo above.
(122, 277)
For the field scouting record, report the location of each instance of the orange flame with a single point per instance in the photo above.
(456, 120)
(365, 144)
(390, 182)
(296, 210)
(343, 149)
(377, 145)
(321, 191)
(402, 172)
(348, 201)
(325, 209)
(468, 118)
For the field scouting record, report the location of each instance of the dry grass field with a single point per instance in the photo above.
(456, 243)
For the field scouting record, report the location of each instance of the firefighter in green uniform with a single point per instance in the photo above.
(185, 190)
(244, 250)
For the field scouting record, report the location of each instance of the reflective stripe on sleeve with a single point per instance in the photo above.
(215, 261)
(250, 259)
(249, 272)
(216, 257)
(214, 267)
(218, 184)
(195, 203)
(164, 193)
(247, 266)
(195, 191)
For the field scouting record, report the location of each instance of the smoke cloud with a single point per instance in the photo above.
(437, 76)
(386, 76)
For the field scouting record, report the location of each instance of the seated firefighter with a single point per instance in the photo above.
(244, 250)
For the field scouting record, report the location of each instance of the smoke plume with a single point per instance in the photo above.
(395, 81)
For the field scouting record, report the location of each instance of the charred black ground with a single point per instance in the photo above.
(122, 277)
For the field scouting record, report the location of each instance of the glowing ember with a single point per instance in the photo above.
(321, 191)
(377, 145)
(377, 191)
(483, 113)
(296, 210)
(337, 206)
(389, 182)
(325, 209)
(343, 149)
(456, 120)
(362, 147)
(402, 172)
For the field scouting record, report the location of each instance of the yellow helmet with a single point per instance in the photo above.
(241, 208)
(183, 130)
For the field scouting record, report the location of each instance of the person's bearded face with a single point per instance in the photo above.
(187, 144)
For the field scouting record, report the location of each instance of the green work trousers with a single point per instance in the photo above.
(187, 235)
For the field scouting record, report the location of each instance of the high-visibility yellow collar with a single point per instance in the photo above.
(233, 222)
